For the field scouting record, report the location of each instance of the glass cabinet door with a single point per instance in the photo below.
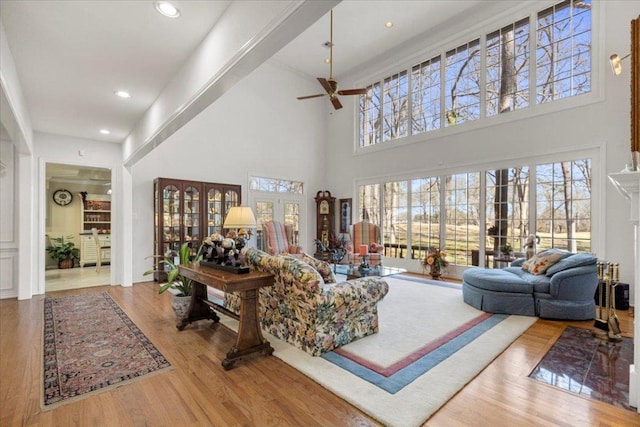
(192, 217)
(231, 198)
(171, 219)
(214, 211)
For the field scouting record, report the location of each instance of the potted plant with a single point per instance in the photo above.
(506, 250)
(65, 252)
(179, 286)
(435, 263)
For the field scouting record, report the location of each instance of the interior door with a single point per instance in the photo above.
(287, 210)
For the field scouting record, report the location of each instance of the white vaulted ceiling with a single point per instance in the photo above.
(71, 55)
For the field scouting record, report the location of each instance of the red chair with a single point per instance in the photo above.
(365, 240)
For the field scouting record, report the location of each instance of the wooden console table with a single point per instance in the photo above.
(249, 339)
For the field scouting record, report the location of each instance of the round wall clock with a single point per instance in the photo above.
(62, 197)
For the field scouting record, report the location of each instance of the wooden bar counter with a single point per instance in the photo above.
(249, 339)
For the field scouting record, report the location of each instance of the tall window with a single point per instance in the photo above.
(563, 205)
(507, 68)
(462, 207)
(462, 83)
(370, 115)
(395, 119)
(445, 90)
(425, 215)
(425, 96)
(563, 65)
(396, 204)
(507, 208)
(292, 218)
(369, 208)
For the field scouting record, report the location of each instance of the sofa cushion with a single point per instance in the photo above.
(540, 262)
(576, 260)
(496, 280)
(322, 267)
(540, 282)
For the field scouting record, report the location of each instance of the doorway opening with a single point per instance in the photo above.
(78, 200)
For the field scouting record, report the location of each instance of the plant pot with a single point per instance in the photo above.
(65, 263)
(180, 304)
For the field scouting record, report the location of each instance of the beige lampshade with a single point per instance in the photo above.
(240, 217)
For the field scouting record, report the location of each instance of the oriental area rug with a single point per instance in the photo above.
(430, 345)
(91, 345)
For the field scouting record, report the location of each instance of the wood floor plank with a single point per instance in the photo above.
(264, 391)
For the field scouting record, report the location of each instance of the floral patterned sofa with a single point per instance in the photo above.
(308, 309)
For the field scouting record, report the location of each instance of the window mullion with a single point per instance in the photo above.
(483, 72)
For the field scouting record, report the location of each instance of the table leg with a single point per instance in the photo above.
(249, 339)
(198, 309)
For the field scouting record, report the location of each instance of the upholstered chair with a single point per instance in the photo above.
(278, 239)
(365, 234)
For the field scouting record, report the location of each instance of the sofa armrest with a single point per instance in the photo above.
(575, 284)
(348, 299)
(518, 262)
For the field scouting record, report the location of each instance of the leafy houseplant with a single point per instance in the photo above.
(506, 249)
(175, 280)
(181, 285)
(65, 252)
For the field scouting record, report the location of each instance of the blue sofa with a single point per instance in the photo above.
(565, 291)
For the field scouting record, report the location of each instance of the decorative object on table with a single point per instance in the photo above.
(345, 215)
(225, 253)
(364, 265)
(367, 234)
(530, 245)
(62, 197)
(506, 250)
(325, 217)
(65, 252)
(178, 286)
(434, 262)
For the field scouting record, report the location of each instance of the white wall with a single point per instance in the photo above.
(66, 150)
(257, 128)
(599, 121)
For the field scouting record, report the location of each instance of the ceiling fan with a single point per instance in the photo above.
(331, 84)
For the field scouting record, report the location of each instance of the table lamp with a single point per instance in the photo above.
(240, 217)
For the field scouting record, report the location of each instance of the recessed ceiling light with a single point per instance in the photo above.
(389, 24)
(167, 9)
(104, 132)
(122, 94)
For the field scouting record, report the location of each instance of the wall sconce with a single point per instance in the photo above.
(616, 63)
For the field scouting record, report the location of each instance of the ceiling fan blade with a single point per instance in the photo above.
(325, 84)
(352, 92)
(312, 96)
(336, 103)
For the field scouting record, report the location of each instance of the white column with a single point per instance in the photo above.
(628, 184)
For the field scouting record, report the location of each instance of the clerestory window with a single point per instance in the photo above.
(450, 88)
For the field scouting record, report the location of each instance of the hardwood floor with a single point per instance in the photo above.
(264, 391)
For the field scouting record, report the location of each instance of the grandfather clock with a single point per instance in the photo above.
(325, 218)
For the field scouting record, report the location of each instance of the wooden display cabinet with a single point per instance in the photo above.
(95, 213)
(188, 211)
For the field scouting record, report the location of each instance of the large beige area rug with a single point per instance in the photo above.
(429, 346)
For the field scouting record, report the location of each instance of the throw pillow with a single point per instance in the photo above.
(540, 262)
(322, 267)
(577, 260)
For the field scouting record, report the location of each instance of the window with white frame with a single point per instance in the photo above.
(425, 96)
(462, 84)
(507, 68)
(462, 212)
(396, 217)
(274, 185)
(451, 79)
(563, 205)
(447, 212)
(425, 215)
(369, 203)
(563, 50)
(507, 208)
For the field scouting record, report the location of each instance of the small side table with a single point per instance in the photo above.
(507, 260)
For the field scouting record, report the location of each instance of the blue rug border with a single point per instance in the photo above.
(405, 376)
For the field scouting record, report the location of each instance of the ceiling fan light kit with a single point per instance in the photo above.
(330, 85)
